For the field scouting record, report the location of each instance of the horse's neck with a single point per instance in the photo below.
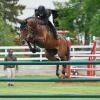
(42, 30)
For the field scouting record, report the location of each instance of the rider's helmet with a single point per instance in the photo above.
(41, 10)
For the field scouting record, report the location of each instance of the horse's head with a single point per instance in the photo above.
(23, 30)
(31, 29)
(28, 28)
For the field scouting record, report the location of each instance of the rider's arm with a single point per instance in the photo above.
(48, 12)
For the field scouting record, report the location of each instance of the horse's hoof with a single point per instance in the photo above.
(57, 74)
(58, 77)
(62, 76)
(66, 76)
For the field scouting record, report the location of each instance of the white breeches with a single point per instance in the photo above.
(10, 73)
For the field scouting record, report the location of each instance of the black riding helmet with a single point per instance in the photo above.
(41, 10)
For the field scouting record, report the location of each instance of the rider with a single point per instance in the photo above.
(44, 14)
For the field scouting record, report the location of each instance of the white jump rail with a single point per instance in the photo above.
(76, 52)
(83, 52)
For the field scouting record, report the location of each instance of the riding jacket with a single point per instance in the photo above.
(44, 16)
(10, 58)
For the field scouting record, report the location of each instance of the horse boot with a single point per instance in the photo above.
(37, 49)
(34, 50)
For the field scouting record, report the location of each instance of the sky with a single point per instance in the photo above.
(33, 4)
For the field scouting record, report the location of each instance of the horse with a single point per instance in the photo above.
(34, 32)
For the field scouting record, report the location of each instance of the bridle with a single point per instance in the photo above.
(28, 34)
(28, 30)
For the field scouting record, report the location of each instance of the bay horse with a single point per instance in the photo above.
(35, 32)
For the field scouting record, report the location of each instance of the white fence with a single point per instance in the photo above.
(23, 53)
(83, 52)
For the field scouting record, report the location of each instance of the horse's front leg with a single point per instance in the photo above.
(36, 49)
(33, 49)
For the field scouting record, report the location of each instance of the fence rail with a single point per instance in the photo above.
(52, 96)
(49, 80)
(49, 62)
(23, 52)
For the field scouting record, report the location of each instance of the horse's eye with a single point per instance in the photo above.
(23, 27)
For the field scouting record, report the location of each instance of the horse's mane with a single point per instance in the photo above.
(38, 21)
(24, 23)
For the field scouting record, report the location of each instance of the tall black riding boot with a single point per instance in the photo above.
(53, 30)
(54, 33)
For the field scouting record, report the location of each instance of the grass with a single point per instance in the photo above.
(49, 88)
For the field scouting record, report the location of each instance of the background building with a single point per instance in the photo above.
(31, 5)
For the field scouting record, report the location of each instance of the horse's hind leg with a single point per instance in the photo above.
(63, 57)
(64, 66)
(57, 69)
(53, 58)
(63, 53)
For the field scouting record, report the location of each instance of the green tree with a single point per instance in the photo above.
(95, 25)
(9, 10)
(91, 10)
(66, 15)
(69, 15)
(6, 34)
(84, 13)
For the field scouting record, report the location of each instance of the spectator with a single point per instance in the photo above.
(10, 69)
